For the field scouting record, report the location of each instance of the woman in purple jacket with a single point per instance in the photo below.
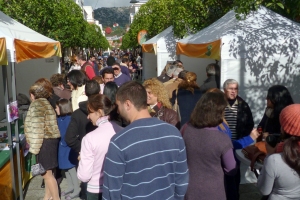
(209, 151)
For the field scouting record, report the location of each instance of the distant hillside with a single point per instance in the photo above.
(109, 16)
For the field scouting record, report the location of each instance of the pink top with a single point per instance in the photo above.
(94, 146)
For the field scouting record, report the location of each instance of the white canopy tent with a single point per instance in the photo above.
(260, 51)
(29, 70)
(40, 56)
(162, 48)
(157, 51)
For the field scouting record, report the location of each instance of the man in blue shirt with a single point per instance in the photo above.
(147, 159)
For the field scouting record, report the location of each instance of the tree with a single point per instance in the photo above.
(60, 20)
(287, 8)
(154, 16)
(191, 16)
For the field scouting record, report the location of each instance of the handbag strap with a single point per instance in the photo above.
(176, 96)
(37, 158)
(254, 158)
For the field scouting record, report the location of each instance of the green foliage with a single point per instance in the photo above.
(191, 16)
(287, 8)
(154, 16)
(108, 16)
(60, 20)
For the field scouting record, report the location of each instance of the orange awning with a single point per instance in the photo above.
(149, 48)
(30, 50)
(3, 54)
(210, 50)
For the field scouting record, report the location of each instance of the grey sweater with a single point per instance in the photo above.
(278, 180)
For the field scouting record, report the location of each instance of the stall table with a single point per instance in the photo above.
(6, 189)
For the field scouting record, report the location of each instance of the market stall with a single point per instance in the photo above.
(260, 51)
(18, 45)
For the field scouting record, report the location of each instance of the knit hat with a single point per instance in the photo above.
(290, 119)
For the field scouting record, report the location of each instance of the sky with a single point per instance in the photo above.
(106, 3)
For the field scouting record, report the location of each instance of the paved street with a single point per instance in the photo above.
(35, 192)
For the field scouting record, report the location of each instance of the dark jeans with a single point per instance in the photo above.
(232, 185)
(93, 196)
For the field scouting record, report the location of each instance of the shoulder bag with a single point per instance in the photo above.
(176, 107)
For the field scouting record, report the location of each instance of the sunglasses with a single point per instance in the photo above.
(115, 68)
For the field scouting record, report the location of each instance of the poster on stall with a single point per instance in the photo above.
(12, 111)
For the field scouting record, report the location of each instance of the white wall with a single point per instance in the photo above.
(27, 73)
(149, 65)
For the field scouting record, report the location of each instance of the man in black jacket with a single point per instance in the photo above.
(80, 125)
(212, 78)
(240, 121)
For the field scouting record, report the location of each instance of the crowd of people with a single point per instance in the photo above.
(165, 138)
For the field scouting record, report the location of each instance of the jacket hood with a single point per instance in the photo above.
(83, 107)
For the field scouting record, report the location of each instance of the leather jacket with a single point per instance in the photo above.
(165, 114)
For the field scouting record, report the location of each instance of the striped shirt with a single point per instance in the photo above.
(146, 160)
(231, 118)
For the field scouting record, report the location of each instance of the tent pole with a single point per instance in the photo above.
(10, 142)
(14, 95)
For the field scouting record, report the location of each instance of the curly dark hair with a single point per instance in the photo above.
(57, 79)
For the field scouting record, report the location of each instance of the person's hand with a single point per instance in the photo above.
(270, 150)
(265, 135)
(79, 157)
(254, 134)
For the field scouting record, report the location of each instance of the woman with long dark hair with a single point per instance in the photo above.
(280, 175)
(209, 151)
(76, 79)
(110, 91)
(278, 98)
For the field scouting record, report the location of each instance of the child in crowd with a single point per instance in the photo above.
(67, 158)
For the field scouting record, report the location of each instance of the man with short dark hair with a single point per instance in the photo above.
(95, 64)
(107, 76)
(120, 78)
(147, 159)
(57, 81)
(86, 66)
(212, 76)
(110, 61)
(79, 124)
(125, 62)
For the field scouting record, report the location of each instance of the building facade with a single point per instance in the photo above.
(134, 8)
